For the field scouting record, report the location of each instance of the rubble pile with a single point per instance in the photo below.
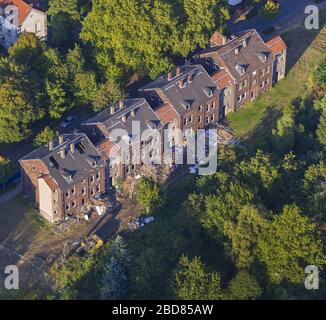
(224, 135)
(140, 222)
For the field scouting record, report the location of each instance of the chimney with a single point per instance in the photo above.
(236, 51)
(51, 145)
(121, 104)
(190, 77)
(124, 118)
(181, 83)
(62, 153)
(170, 76)
(178, 70)
(72, 147)
(61, 139)
(133, 113)
(244, 42)
(112, 110)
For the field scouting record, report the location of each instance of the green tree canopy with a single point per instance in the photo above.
(5, 169)
(114, 280)
(244, 235)
(194, 282)
(315, 189)
(45, 136)
(289, 244)
(149, 194)
(271, 9)
(244, 286)
(140, 36)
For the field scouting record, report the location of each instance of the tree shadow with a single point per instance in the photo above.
(299, 41)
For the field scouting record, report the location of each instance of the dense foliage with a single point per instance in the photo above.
(142, 36)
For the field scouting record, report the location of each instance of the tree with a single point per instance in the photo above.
(5, 169)
(224, 206)
(244, 287)
(321, 130)
(22, 81)
(58, 86)
(288, 245)
(284, 134)
(149, 194)
(271, 9)
(314, 186)
(139, 36)
(65, 22)
(193, 282)
(84, 85)
(107, 94)
(114, 278)
(199, 19)
(45, 136)
(244, 235)
(258, 170)
(319, 78)
(16, 111)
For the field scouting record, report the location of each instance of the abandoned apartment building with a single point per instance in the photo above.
(63, 176)
(141, 145)
(243, 67)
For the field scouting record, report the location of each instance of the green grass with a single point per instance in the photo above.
(306, 49)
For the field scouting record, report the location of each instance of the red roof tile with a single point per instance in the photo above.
(23, 8)
(107, 149)
(276, 45)
(50, 182)
(166, 113)
(222, 79)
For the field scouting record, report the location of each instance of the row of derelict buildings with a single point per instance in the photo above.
(63, 176)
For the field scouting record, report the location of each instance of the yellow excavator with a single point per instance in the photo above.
(91, 244)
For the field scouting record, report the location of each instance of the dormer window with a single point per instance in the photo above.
(241, 69)
(92, 161)
(66, 175)
(262, 56)
(151, 124)
(208, 92)
(186, 105)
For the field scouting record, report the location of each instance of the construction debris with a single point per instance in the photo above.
(224, 135)
(140, 222)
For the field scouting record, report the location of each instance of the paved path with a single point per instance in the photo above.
(290, 10)
(10, 194)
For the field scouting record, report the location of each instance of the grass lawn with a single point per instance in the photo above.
(306, 49)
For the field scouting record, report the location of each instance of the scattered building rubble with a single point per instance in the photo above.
(224, 135)
(159, 173)
(97, 207)
(140, 222)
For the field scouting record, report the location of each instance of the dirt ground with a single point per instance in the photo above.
(32, 244)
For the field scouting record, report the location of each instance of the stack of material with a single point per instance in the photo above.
(139, 222)
(157, 172)
(224, 135)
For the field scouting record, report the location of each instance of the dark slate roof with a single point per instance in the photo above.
(183, 98)
(76, 165)
(251, 49)
(133, 110)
